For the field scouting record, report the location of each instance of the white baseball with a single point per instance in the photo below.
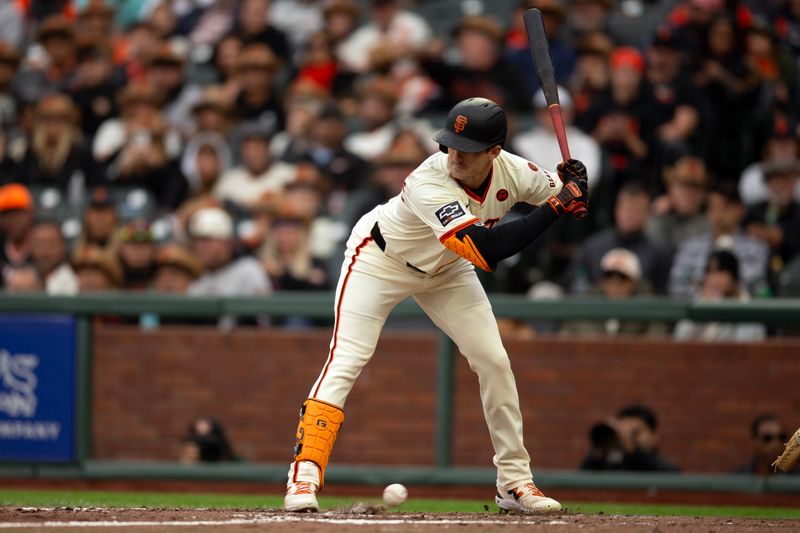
(394, 494)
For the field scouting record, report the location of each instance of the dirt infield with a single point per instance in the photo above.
(357, 518)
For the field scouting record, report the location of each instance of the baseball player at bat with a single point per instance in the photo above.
(425, 243)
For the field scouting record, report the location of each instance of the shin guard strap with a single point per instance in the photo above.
(319, 425)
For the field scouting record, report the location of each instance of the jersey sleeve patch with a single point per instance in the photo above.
(449, 213)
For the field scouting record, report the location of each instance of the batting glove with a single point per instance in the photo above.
(572, 168)
(573, 197)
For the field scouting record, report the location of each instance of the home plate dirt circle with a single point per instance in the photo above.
(129, 520)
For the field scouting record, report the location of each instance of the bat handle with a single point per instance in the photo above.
(561, 135)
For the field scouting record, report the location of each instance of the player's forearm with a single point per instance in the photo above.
(487, 246)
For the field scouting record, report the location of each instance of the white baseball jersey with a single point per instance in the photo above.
(433, 206)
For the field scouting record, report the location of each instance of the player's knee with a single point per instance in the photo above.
(495, 363)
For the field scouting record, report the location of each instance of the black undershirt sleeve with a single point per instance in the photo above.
(508, 238)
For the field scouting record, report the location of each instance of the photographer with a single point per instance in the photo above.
(628, 442)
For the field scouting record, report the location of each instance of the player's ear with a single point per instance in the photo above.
(494, 151)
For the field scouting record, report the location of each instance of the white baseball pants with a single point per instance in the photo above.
(370, 285)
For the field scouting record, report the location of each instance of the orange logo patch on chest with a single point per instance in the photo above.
(502, 195)
(460, 123)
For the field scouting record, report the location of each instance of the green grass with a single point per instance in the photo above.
(57, 498)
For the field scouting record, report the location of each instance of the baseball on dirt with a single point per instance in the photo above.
(394, 494)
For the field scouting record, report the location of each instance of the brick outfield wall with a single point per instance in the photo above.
(149, 385)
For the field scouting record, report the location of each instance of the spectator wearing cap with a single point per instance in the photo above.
(258, 174)
(631, 211)
(212, 111)
(94, 87)
(340, 19)
(139, 103)
(49, 255)
(254, 25)
(16, 221)
(730, 88)
(318, 63)
(212, 241)
(388, 23)
(100, 222)
(777, 220)
(97, 270)
(344, 170)
(56, 154)
(136, 254)
(481, 68)
(539, 144)
(287, 259)
(176, 269)
(517, 49)
(621, 279)
(167, 74)
(258, 100)
(721, 282)
(676, 103)
(780, 145)
(592, 74)
(620, 117)
(725, 213)
(57, 37)
(678, 214)
(9, 63)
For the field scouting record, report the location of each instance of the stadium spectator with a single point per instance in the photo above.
(212, 111)
(777, 220)
(49, 255)
(627, 442)
(540, 145)
(620, 118)
(721, 282)
(781, 145)
(767, 436)
(554, 17)
(592, 74)
(100, 222)
(16, 221)
(9, 63)
(97, 270)
(730, 87)
(54, 71)
(318, 63)
(481, 68)
(254, 25)
(676, 104)
(94, 88)
(212, 239)
(344, 170)
(23, 279)
(225, 62)
(258, 175)
(206, 442)
(678, 214)
(621, 279)
(56, 154)
(340, 19)
(725, 213)
(206, 158)
(631, 213)
(389, 22)
(136, 254)
(258, 100)
(287, 259)
(176, 269)
(166, 73)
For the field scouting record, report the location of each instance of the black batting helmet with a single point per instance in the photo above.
(473, 125)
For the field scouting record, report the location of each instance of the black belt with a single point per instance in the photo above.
(375, 232)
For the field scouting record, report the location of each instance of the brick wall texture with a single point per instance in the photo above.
(148, 385)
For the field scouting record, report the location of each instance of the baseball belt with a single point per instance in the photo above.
(375, 232)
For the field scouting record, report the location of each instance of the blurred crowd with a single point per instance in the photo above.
(226, 147)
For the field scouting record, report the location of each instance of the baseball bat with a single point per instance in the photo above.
(540, 51)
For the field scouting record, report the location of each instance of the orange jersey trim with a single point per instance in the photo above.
(467, 250)
(457, 228)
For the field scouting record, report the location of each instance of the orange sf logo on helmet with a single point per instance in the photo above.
(460, 123)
